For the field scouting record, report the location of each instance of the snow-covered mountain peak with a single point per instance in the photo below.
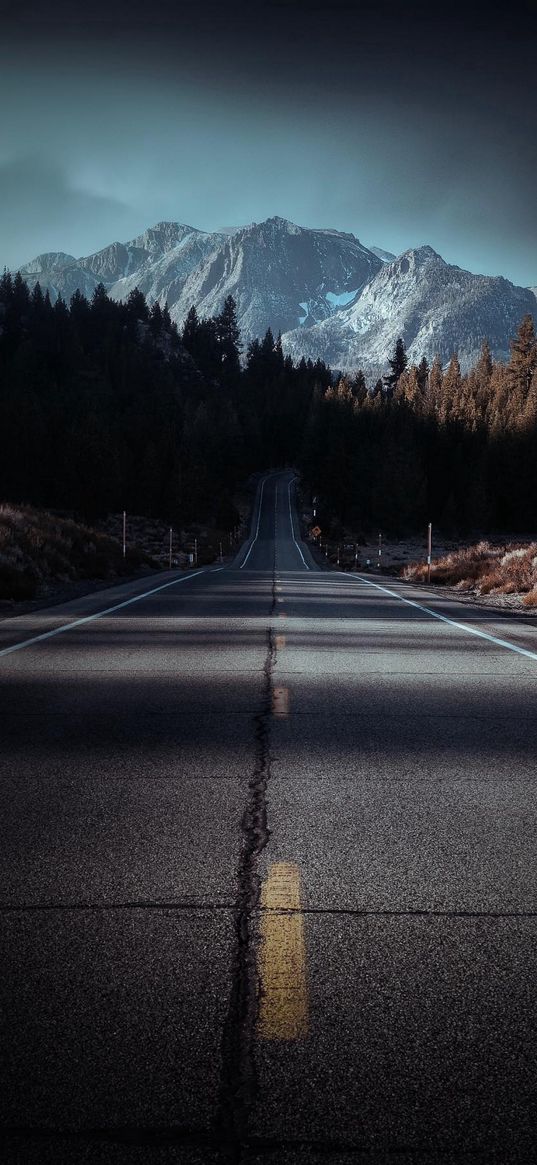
(283, 224)
(49, 261)
(164, 236)
(436, 307)
(328, 294)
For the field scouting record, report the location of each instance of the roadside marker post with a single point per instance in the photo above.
(429, 550)
(171, 547)
(380, 551)
(124, 533)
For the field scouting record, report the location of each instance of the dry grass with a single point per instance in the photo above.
(484, 569)
(37, 549)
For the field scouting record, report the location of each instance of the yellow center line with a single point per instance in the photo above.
(284, 1004)
(280, 701)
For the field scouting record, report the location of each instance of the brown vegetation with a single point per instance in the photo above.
(485, 569)
(37, 549)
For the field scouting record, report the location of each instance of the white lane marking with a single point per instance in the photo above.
(444, 618)
(107, 611)
(292, 526)
(243, 564)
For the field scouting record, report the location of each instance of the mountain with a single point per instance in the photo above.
(534, 290)
(328, 294)
(280, 276)
(158, 262)
(384, 256)
(438, 309)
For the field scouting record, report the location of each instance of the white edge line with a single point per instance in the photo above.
(108, 611)
(292, 524)
(444, 618)
(254, 540)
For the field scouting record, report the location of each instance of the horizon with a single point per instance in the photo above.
(251, 223)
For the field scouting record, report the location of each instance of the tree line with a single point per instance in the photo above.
(430, 444)
(107, 406)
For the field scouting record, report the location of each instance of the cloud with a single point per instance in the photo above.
(42, 210)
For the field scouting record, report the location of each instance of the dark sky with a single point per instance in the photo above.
(399, 122)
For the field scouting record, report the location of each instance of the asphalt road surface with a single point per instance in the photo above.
(268, 879)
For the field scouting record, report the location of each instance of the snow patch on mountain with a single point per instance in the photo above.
(438, 309)
(279, 275)
(328, 294)
(341, 300)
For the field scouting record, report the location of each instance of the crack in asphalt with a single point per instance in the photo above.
(238, 1080)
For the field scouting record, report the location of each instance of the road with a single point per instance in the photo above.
(268, 880)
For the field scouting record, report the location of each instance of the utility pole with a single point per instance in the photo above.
(124, 533)
(429, 550)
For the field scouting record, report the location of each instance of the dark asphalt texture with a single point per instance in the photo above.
(148, 783)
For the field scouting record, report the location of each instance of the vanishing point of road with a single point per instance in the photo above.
(268, 877)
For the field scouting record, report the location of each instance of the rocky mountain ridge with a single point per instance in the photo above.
(329, 295)
(437, 308)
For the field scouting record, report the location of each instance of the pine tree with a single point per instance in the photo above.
(359, 387)
(228, 334)
(397, 364)
(136, 306)
(190, 333)
(423, 375)
(155, 319)
(436, 381)
(523, 362)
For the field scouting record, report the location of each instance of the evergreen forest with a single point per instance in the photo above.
(106, 406)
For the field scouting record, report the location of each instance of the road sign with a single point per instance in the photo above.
(315, 531)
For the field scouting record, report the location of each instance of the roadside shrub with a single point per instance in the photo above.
(37, 547)
(484, 569)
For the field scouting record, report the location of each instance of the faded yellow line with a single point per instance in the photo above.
(284, 1005)
(280, 701)
(280, 642)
